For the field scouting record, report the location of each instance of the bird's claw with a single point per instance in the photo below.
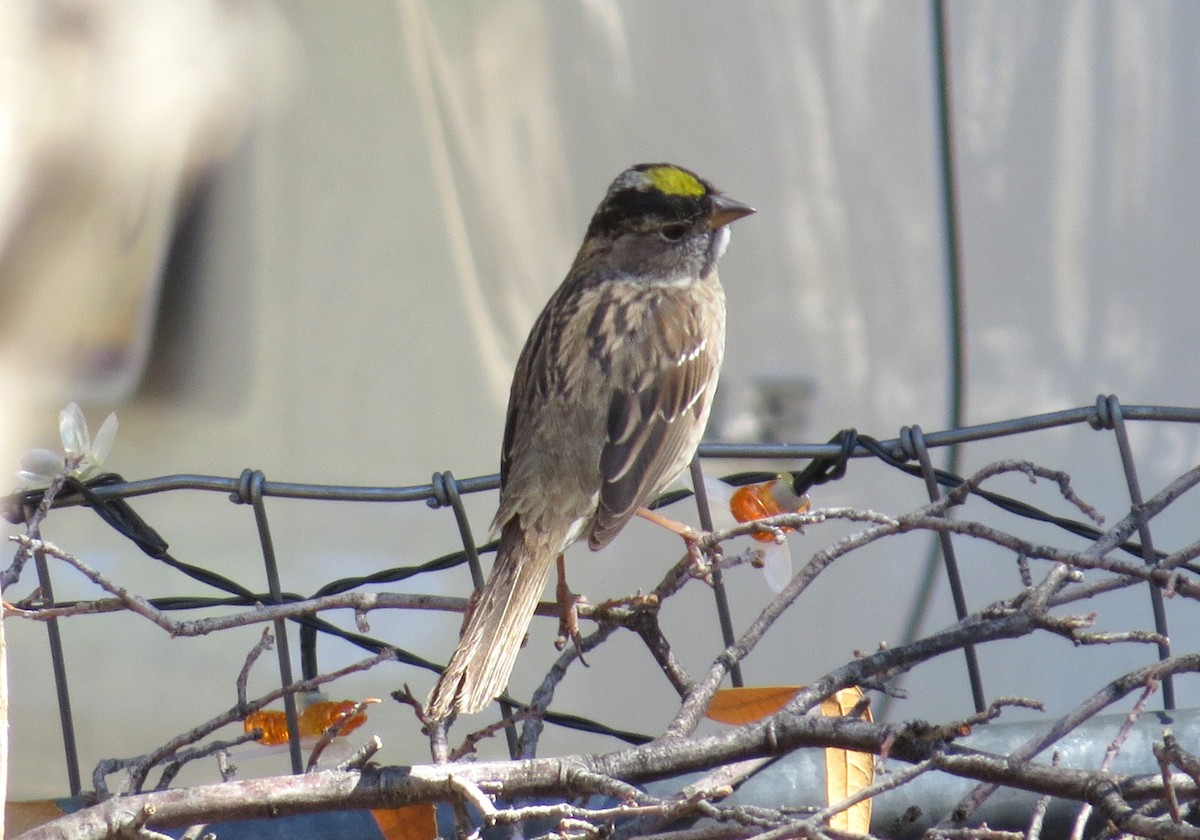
(700, 567)
(568, 618)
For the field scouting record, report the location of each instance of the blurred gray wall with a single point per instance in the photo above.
(364, 245)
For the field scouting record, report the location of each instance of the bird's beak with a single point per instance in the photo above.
(726, 210)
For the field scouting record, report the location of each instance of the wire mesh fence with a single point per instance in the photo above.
(909, 452)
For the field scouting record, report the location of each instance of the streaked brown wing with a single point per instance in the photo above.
(651, 429)
(531, 381)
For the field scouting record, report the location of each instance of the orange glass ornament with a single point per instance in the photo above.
(769, 498)
(313, 721)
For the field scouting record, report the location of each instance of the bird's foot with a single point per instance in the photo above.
(699, 567)
(689, 534)
(568, 613)
(691, 538)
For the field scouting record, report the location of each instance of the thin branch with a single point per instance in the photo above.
(981, 833)
(140, 766)
(1110, 755)
(889, 782)
(1089, 708)
(264, 644)
(182, 757)
(660, 650)
(33, 524)
(1178, 756)
(467, 747)
(135, 603)
(532, 729)
(470, 793)
(335, 729)
(1164, 769)
(359, 758)
(1038, 817)
(670, 809)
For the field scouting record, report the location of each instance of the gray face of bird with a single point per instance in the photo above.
(641, 255)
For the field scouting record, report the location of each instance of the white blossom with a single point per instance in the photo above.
(82, 457)
(774, 558)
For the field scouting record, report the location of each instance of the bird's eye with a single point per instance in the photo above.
(673, 233)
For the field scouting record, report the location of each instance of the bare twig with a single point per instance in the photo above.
(475, 797)
(652, 636)
(140, 766)
(225, 767)
(891, 781)
(1037, 818)
(983, 832)
(264, 644)
(172, 767)
(360, 602)
(671, 808)
(467, 747)
(534, 722)
(1089, 708)
(1164, 769)
(359, 758)
(1182, 759)
(133, 602)
(335, 729)
(1110, 754)
(33, 524)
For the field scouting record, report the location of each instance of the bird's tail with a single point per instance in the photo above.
(479, 669)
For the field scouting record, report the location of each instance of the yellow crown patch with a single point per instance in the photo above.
(673, 181)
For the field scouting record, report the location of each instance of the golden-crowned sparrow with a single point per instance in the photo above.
(609, 401)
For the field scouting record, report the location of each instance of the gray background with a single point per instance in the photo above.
(389, 212)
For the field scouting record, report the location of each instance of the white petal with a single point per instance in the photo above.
(73, 428)
(39, 467)
(719, 495)
(102, 445)
(42, 462)
(777, 565)
(30, 481)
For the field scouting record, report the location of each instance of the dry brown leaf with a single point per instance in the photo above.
(23, 816)
(746, 705)
(412, 822)
(846, 772)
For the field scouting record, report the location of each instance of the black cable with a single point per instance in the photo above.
(829, 468)
(308, 632)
